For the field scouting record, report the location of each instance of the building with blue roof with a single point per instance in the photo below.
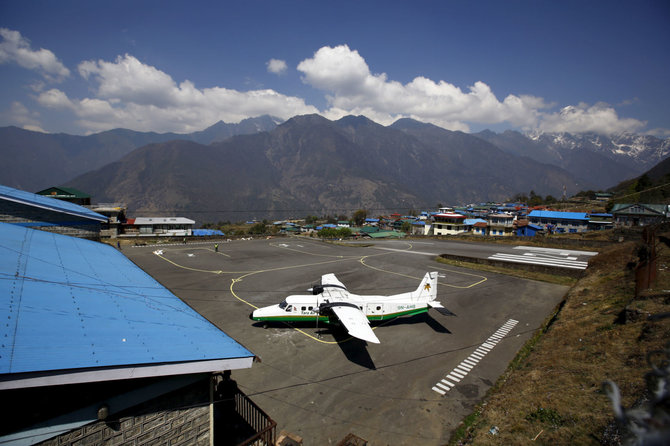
(555, 221)
(48, 214)
(86, 334)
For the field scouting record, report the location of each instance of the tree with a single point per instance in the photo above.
(406, 227)
(534, 200)
(344, 232)
(311, 219)
(258, 228)
(359, 217)
(335, 233)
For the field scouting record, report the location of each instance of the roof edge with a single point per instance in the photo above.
(74, 376)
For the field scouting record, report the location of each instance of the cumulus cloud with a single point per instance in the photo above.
(14, 48)
(352, 88)
(276, 66)
(20, 116)
(131, 94)
(598, 118)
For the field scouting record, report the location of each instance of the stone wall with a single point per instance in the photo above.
(179, 418)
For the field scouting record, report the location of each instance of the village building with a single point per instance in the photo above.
(560, 222)
(449, 224)
(500, 224)
(638, 214)
(598, 221)
(480, 228)
(68, 194)
(523, 228)
(470, 225)
(420, 227)
(158, 226)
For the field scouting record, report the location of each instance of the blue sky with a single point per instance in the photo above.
(82, 67)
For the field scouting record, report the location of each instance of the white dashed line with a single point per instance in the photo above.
(461, 370)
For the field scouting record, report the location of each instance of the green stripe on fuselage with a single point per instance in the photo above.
(372, 317)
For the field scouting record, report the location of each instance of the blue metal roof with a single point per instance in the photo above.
(53, 204)
(561, 215)
(207, 232)
(70, 303)
(472, 221)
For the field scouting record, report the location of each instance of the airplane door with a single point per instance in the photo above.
(375, 311)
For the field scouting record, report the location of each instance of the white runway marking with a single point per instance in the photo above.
(561, 258)
(461, 370)
(410, 252)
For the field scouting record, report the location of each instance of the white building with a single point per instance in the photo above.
(159, 226)
(449, 224)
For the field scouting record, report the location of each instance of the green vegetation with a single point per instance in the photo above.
(335, 233)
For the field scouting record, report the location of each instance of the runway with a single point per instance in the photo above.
(321, 384)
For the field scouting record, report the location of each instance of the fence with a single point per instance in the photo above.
(259, 421)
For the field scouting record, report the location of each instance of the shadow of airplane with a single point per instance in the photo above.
(354, 349)
(423, 318)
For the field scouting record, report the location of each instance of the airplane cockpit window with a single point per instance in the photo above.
(282, 305)
(289, 308)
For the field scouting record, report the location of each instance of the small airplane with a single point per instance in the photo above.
(331, 302)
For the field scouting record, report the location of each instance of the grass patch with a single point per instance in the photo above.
(465, 426)
(546, 416)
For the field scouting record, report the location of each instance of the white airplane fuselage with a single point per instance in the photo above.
(310, 307)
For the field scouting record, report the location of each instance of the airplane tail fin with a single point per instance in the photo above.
(427, 290)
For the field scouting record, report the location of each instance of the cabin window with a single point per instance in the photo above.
(379, 307)
(303, 308)
(282, 305)
(311, 308)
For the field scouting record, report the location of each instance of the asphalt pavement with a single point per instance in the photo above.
(414, 387)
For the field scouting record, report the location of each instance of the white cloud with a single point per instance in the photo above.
(14, 48)
(598, 118)
(276, 66)
(134, 95)
(19, 115)
(352, 88)
(131, 94)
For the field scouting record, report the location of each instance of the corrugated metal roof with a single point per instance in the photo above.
(70, 303)
(63, 192)
(52, 204)
(558, 214)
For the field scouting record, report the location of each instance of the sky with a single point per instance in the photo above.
(82, 67)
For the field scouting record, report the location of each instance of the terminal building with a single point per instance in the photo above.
(95, 351)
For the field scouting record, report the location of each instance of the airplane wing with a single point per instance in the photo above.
(355, 322)
(333, 289)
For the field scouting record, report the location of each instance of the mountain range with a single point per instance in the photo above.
(261, 168)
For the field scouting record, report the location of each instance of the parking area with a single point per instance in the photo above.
(414, 387)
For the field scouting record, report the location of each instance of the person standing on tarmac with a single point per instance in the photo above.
(216, 247)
